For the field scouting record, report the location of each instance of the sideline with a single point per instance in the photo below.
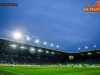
(11, 72)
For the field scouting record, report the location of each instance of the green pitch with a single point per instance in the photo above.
(12, 70)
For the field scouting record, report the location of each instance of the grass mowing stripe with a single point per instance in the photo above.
(1, 74)
(11, 72)
(23, 70)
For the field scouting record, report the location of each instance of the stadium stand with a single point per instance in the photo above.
(12, 52)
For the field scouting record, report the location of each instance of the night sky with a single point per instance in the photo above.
(61, 22)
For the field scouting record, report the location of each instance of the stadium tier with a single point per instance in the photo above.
(20, 53)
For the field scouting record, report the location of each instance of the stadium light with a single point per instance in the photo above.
(44, 44)
(51, 46)
(14, 46)
(98, 52)
(57, 47)
(94, 47)
(52, 52)
(89, 53)
(37, 41)
(79, 49)
(32, 50)
(22, 47)
(27, 38)
(86, 47)
(39, 50)
(17, 35)
(47, 51)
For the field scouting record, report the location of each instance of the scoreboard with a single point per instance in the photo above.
(71, 57)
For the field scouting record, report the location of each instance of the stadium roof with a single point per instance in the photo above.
(9, 47)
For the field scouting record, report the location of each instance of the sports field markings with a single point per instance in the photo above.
(11, 72)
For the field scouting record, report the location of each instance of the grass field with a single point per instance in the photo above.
(19, 70)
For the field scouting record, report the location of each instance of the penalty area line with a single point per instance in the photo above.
(11, 72)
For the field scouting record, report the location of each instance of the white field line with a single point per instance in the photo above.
(12, 72)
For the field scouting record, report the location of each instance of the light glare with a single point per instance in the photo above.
(47, 51)
(22, 47)
(45, 43)
(94, 46)
(86, 47)
(17, 35)
(14, 46)
(57, 46)
(39, 50)
(27, 38)
(37, 41)
(51, 44)
(79, 48)
(89, 53)
(32, 50)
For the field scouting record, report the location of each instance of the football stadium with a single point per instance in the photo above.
(25, 59)
(49, 37)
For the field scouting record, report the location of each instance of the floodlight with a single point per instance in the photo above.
(22, 47)
(86, 47)
(27, 38)
(57, 46)
(89, 53)
(51, 44)
(32, 50)
(39, 50)
(47, 51)
(79, 48)
(14, 46)
(94, 46)
(37, 41)
(45, 43)
(52, 52)
(17, 35)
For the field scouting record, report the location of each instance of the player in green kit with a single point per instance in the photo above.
(59, 65)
